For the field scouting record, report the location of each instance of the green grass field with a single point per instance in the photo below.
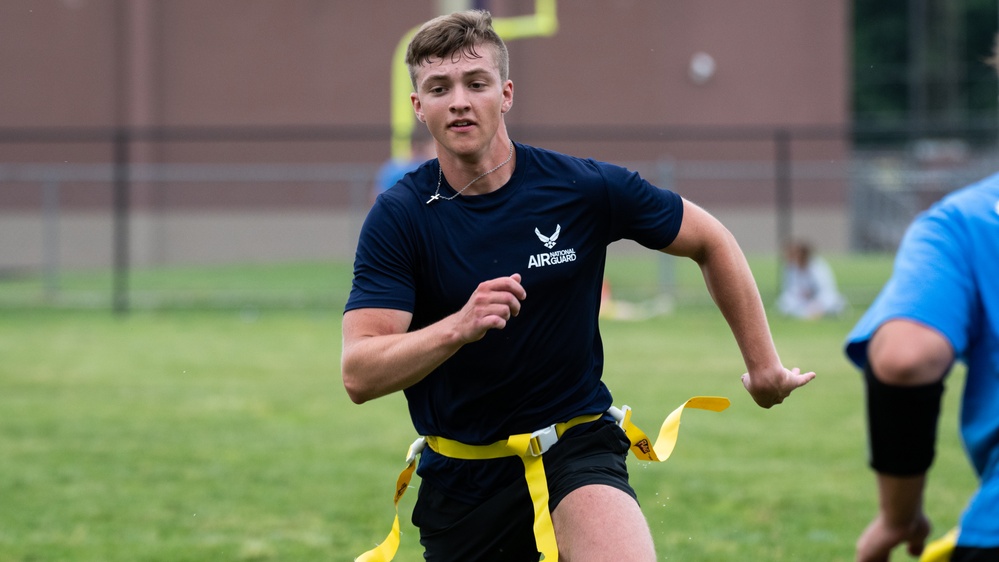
(193, 434)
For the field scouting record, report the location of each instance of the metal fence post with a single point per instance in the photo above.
(120, 229)
(782, 180)
(50, 238)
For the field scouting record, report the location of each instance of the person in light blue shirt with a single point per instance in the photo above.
(940, 305)
(422, 148)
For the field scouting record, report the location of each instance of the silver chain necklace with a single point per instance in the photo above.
(440, 177)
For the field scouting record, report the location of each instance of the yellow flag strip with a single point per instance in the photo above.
(940, 549)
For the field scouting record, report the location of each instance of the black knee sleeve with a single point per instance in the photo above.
(902, 425)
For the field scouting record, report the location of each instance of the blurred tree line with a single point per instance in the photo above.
(921, 63)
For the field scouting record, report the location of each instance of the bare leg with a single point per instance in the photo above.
(599, 523)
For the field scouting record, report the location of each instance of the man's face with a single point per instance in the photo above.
(462, 100)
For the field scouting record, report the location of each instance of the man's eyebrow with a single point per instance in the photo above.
(437, 76)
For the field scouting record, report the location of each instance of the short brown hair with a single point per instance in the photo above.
(456, 35)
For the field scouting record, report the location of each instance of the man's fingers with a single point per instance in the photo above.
(774, 391)
(804, 379)
(492, 305)
(518, 289)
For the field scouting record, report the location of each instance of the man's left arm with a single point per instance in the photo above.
(730, 282)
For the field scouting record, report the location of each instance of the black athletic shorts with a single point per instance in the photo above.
(501, 529)
(969, 554)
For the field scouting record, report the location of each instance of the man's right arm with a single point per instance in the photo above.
(380, 356)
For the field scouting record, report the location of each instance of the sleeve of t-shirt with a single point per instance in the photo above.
(932, 284)
(641, 211)
(384, 262)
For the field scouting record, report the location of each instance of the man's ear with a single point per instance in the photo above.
(417, 106)
(507, 96)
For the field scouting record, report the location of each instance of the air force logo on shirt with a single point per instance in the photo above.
(549, 241)
(555, 256)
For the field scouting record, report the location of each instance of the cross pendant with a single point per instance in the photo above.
(433, 198)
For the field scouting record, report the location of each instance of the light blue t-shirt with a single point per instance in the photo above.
(946, 277)
(392, 171)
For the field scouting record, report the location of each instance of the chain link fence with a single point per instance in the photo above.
(270, 217)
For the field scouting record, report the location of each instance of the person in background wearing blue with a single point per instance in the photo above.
(421, 149)
(476, 291)
(940, 305)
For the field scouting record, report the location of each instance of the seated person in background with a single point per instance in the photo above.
(808, 287)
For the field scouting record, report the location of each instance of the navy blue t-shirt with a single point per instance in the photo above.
(552, 223)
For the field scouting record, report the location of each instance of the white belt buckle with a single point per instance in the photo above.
(618, 414)
(542, 440)
(415, 449)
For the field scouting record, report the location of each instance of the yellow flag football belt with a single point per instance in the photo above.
(530, 447)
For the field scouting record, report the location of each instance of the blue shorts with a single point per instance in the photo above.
(501, 528)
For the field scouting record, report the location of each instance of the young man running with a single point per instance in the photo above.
(476, 291)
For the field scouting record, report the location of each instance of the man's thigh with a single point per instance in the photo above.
(594, 508)
(602, 523)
